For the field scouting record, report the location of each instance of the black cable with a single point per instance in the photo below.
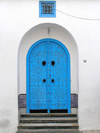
(97, 19)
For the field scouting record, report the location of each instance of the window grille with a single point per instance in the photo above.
(47, 9)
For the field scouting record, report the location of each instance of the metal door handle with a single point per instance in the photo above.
(43, 63)
(53, 63)
(52, 80)
(44, 80)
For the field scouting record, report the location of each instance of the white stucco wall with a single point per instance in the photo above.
(16, 18)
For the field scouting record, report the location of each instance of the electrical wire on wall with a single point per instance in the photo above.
(94, 19)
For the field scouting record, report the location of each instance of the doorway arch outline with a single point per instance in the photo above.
(27, 70)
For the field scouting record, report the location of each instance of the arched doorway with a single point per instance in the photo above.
(48, 77)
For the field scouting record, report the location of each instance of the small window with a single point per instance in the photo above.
(47, 9)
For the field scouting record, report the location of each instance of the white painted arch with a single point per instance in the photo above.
(40, 32)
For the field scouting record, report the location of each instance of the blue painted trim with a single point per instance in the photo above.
(27, 83)
(39, 9)
(69, 91)
(27, 71)
(47, 15)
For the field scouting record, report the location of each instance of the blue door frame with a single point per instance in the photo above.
(48, 76)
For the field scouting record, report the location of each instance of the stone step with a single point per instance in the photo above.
(48, 131)
(49, 126)
(49, 115)
(49, 120)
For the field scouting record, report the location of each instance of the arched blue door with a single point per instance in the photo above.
(48, 76)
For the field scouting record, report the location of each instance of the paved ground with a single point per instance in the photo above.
(92, 131)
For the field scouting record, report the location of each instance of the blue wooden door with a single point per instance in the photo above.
(48, 76)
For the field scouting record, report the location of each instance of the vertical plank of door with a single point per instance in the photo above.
(47, 47)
